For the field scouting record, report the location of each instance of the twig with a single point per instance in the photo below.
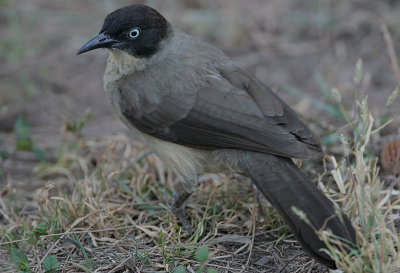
(291, 260)
(69, 233)
(253, 216)
(392, 53)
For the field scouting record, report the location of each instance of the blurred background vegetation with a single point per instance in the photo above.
(52, 100)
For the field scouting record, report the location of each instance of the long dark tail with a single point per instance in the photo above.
(286, 186)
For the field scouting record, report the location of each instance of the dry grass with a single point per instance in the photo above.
(370, 199)
(105, 205)
(117, 217)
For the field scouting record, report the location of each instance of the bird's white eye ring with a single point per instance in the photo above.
(134, 33)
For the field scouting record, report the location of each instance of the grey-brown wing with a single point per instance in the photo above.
(223, 113)
(273, 108)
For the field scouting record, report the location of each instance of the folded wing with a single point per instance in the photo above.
(230, 110)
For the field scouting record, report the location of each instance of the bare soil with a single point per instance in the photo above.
(286, 44)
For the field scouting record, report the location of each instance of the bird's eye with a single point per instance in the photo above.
(134, 33)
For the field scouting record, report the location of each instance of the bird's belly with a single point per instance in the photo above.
(187, 162)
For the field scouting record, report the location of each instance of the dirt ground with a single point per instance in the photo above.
(298, 47)
(285, 44)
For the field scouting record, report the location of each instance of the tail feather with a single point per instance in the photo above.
(286, 186)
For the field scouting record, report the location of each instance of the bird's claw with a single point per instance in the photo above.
(182, 216)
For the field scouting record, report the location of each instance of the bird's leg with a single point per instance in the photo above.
(178, 208)
(257, 193)
(259, 197)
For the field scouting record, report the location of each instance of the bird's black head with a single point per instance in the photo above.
(136, 29)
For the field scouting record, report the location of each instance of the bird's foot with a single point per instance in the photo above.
(183, 219)
(178, 208)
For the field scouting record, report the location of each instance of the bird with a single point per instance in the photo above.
(200, 113)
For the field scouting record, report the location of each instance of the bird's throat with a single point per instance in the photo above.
(120, 64)
(124, 62)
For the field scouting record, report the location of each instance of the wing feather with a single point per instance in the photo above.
(228, 111)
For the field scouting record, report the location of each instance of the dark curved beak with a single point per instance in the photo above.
(100, 41)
